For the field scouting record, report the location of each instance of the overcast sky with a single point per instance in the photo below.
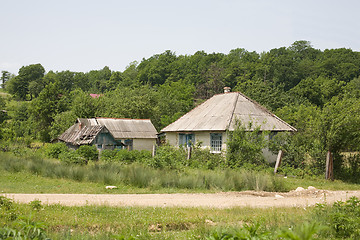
(84, 35)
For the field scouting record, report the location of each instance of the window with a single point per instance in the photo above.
(186, 139)
(129, 144)
(216, 142)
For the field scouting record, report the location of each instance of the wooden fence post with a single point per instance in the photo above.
(189, 148)
(153, 150)
(329, 171)
(278, 160)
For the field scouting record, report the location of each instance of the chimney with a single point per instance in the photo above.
(80, 125)
(227, 89)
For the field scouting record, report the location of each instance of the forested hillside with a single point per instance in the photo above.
(316, 91)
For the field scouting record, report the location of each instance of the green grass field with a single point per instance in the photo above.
(102, 222)
(25, 182)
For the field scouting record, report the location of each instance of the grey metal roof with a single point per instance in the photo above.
(123, 128)
(129, 128)
(219, 113)
(80, 135)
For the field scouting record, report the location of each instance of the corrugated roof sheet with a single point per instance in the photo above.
(123, 128)
(219, 113)
(129, 128)
(80, 136)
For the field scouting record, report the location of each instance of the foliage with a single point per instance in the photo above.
(125, 156)
(55, 149)
(245, 146)
(139, 175)
(306, 231)
(29, 76)
(88, 152)
(168, 157)
(343, 218)
(251, 231)
(72, 157)
(315, 91)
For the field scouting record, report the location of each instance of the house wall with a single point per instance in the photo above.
(144, 143)
(204, 137)
(200, 137)
(104, 140)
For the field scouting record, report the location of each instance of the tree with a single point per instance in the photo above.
(19, 85)
(83, 105)
(245, 145)
(174, 100)
(44, 109)
(5, 76)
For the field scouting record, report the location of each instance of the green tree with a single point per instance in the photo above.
(44, 109)
(245, 145)
(19, 85)
(5, 76)
(83, 105)
(174, 100)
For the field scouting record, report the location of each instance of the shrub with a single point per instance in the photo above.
(72, 157)
(169, 157)
(55, 149)
(108, 155)
(345, 218)
(125, 156)
(245, 145)
(202, 158)
(88, 153)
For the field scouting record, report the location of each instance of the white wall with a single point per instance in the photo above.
(204, 137)
(143, 143)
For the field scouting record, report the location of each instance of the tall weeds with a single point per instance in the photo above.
(141, 176)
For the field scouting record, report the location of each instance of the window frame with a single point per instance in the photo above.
(188, 141)
(216, 142)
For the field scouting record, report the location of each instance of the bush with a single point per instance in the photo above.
(55, 149)
(125, 156)
(169, 157)
(245, 146)
(72, 157)
(108, 155)
(202, 158)
(88, 153)
(345, 218)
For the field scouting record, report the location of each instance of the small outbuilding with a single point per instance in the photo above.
(111, 133)
(209, 122)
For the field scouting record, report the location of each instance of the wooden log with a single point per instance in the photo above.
(278, 160)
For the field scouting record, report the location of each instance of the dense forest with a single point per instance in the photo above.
(316, 91)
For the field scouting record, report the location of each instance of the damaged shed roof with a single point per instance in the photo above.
(78, 135)
(85, 130)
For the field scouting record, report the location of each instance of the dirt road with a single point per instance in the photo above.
(299, 198)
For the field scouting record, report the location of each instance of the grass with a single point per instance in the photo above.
(25, 182)
(143, 177)
(103, 222)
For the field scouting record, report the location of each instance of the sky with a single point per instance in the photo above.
(84, 35)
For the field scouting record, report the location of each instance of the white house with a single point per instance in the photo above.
(208, 123)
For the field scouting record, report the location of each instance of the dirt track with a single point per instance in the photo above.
(299, 198)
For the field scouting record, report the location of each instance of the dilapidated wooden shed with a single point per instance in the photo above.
(110, 133)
